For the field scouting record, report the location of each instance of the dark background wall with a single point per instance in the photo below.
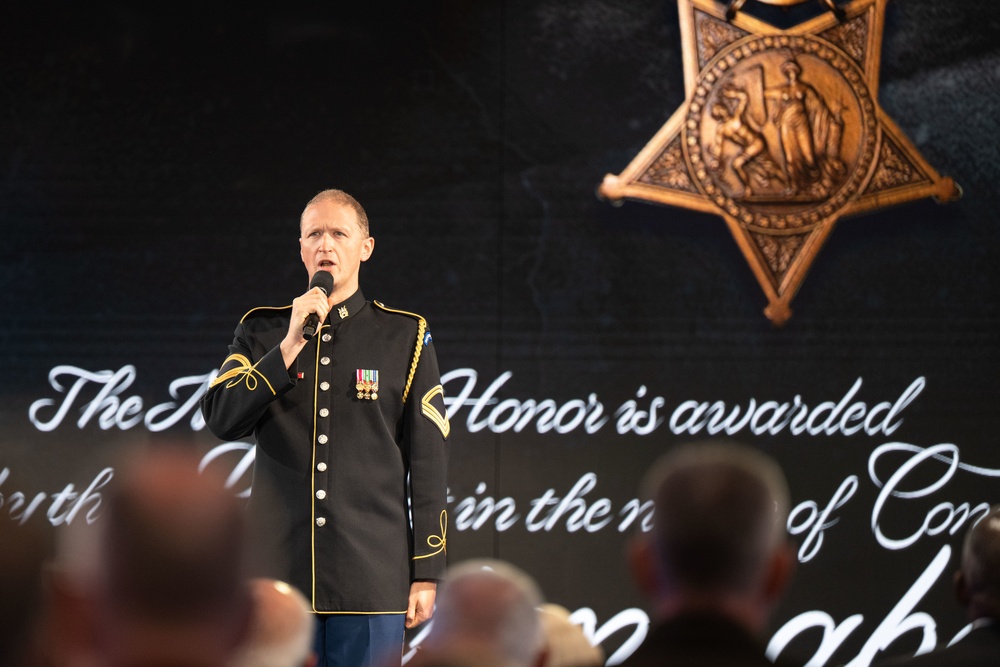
(153, 163)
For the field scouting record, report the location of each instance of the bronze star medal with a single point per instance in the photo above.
(781, 134)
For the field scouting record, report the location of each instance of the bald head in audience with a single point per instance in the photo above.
(159, 578)
(486, 608)
(282, 629)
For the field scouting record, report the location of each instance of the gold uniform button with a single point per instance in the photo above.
(324, 412)
(321, 494)
(321, 466)
(322, 439)
(324, 386)
(325, 361)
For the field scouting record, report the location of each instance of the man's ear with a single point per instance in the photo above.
(961, 589)
(779, 572)
(367, 248)
(642, 564)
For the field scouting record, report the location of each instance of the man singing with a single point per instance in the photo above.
(348, 495)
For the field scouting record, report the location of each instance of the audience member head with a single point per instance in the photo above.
(565, 643)
(159, 578)
(718, 542)
(24, 551)
(281, 632)
(977, 582)
(486, 608)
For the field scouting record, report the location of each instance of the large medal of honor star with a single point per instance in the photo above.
(781, 134)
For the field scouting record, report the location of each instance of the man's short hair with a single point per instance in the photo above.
(173, 539)
(720, 511)
(344, 199)
(163, 569)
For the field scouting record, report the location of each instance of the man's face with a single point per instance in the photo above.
(333, 241)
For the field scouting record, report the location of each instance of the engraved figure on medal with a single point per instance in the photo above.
(766, 136)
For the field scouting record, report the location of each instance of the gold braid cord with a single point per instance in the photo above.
(421, 329)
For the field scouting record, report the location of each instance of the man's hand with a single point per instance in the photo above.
(313, 301)
(421, 607)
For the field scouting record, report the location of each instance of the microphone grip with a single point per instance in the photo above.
(310, 327)
(324, 281)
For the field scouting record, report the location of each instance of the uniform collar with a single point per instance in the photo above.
(346, 309)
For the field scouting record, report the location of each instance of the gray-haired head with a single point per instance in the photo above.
(720, 511)
(490, 604)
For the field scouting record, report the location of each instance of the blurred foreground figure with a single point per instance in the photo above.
(486, 615)
(24, 551)
(565, 643)
(282, 630)
(977, 588)
(158, 579)
(718, 558)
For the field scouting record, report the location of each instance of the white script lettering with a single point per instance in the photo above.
(770, 418)
(489, 412)
(108, 405)
(64, 505)
(941, 517)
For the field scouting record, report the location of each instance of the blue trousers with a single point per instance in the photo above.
(359, 640)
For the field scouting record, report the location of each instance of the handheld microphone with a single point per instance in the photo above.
(324, 281)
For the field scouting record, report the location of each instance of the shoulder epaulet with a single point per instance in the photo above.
(382, 306)
(421, 330)
(263, 310)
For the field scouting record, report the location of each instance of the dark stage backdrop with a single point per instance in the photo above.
(154, 162)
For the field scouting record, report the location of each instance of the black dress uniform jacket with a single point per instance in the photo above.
(700, 640)
(337, 469)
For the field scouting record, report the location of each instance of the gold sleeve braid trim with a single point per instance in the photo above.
(439, 542)
(243, 372)
(421, 328)
(432, 413)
